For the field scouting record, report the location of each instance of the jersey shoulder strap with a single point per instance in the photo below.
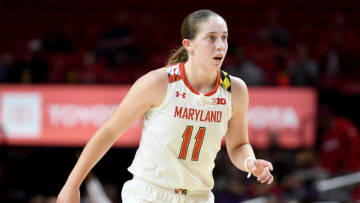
(173, 73)
(225, 80)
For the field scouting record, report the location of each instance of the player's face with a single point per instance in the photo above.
(210, 44)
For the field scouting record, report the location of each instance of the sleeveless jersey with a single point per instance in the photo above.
(181, 137)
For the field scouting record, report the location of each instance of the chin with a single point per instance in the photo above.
(213, 66)
(218, 65)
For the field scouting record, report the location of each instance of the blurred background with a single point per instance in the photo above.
(59, 56)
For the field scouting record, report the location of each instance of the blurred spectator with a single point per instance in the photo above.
(117, 43)
(57, 40)
(38, 198)
(303, 70)
(278, 35)
(295, 190)
(62, 68)
(51, 199)
(338, 50)
(283, 161)
(111, 191)
(300, 184)
(3, 68)
(306, 164)
(251, 73)
(95, 192)
(37, 64)
(269, 56)
(93, 71)
(264, 54)
(11, 68)
(32, 69)
(234, 189)
(356, 194)
(18, 72)
(340, 146)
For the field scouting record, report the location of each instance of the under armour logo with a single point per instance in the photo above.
(178, 94)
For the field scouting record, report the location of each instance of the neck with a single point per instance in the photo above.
(200, 78)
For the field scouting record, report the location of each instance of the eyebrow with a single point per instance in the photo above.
(216, 33)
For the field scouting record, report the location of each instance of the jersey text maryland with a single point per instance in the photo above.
(197, 114)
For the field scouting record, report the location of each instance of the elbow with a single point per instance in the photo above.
(234, 150)
(108, 131)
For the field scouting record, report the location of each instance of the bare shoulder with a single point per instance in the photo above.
(154, 85)
(237, 83)
(238, 86)
(239, 94)
(157, 77)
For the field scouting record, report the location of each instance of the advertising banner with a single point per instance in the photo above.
(284, 117)
(61, 115)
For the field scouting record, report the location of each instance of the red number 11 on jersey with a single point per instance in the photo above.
(186, 141)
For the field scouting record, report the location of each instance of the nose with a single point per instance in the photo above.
(220, 45)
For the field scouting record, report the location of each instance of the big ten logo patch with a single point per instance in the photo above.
(219, 101)
(21, 114)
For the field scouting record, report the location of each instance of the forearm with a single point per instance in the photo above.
(94, 150)
(239, 154)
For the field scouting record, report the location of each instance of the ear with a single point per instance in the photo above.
(187, 45)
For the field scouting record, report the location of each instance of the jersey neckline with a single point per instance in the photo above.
(183, 76)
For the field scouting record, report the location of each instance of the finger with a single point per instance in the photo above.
(264, 174)
(264, 178)
(270, 166)
(270, 180)
(267, 178)
(260, 162)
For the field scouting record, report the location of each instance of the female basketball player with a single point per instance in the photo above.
(188, 107)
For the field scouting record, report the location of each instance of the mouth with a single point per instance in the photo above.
(218, 58)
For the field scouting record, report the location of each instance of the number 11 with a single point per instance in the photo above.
(186, 141)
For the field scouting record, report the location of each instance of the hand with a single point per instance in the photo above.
(69, 194)
(261, 169)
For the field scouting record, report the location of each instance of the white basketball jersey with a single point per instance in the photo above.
(181, 137)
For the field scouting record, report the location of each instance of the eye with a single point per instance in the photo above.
(211, 38)
(224, 37)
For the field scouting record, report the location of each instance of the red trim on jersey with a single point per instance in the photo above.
(183, 76)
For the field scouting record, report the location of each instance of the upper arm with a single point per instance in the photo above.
(148, 91)
(237, 133)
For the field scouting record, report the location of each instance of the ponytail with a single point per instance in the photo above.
(177, 56)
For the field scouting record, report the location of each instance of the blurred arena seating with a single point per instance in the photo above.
(156, 31)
